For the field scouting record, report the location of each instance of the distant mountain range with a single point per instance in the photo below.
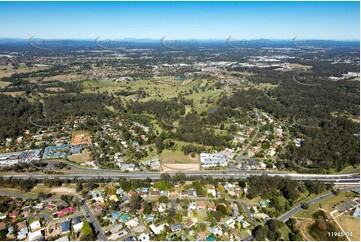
(144, 40)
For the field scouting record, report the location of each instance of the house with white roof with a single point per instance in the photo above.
(157, 229)
(35, 236)
(143, 237)
(77, 227)
(35, 225)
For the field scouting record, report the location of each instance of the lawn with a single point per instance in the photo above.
(285, 232)
(83, 157)
(350, 225)
(158, 88)
(202, 215)
(68, 190)
(168, 156)
(33, 193)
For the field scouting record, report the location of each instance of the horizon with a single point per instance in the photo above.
(186, 39)
(337, 21)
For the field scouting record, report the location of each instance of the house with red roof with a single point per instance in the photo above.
(202, 205)
(212, 208)
(65, 211)
(13, 214)
(50, 206)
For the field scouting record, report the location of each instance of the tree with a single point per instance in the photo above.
(180, 177)
(305, 206)
(42, 195)
(202, 227)
(260, 233)
(134, 203)
(87, 232)
(242, 183)
(166, 177)
(147, 208)
(217, 215)
(163, 199)
(162, 185)
(178, 217)
(222, 209)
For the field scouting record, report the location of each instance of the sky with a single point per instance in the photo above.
(180, 20)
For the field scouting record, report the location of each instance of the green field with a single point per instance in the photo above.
(159, 88)
(169, 156)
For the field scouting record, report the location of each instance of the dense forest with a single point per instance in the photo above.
(331, 140)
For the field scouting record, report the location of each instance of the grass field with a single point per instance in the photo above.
(6, 71)
(83, 157)
(177, 156)
(159, 88)
(4, 84)
(350, 225)
(285, 232)
(14, 94)
(68, 190)
(173, 161)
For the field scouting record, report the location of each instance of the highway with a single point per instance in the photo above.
(341, 178)
(88, 173)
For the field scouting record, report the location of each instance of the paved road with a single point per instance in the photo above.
(295, 210)
(98, 229)
(248, 212)
(241, 157)
(87, 173)
(350, 178)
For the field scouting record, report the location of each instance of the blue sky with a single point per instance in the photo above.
(181, 20)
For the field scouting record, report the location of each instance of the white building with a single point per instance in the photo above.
(213, 160)
(37, 235)
(77, 227)
(157, 229)
(35, 225)
(143, 237)
(127, 167)
(132, 223)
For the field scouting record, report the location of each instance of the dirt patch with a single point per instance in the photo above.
(300, 66)
(302, 225)
(4, 84)
(55, 89)
(80, 137)
(172, 167)
(63, 190)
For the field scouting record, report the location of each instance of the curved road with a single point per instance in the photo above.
(295, 210)
(286, 216)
